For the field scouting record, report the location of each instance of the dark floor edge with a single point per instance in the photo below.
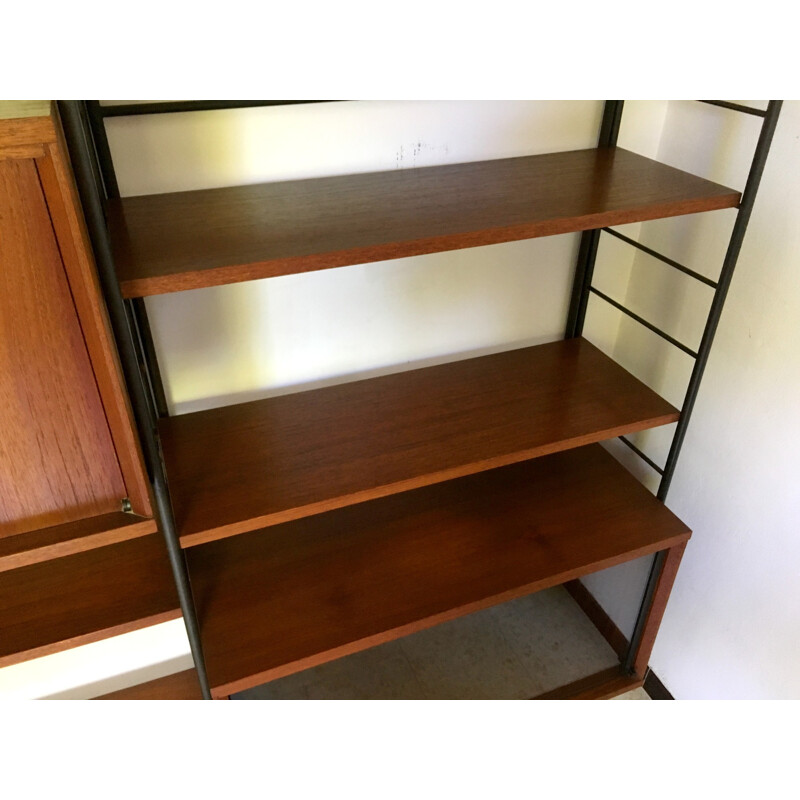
(613, 635)
(654, 688)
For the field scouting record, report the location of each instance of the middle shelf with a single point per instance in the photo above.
(247, 466)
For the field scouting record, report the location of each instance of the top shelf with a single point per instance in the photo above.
(190, 240)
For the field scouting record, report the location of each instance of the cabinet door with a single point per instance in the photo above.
(57, 459)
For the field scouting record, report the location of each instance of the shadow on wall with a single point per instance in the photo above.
(262, 338)
(225, 344)
(116, 683)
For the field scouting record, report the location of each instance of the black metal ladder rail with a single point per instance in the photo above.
(582, 288)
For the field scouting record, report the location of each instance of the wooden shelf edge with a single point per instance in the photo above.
(34, 547)
(396, 442)
(603, 685)
(571, 191)
(88, 638)
(178, 686)
(85, 597)
(275, 268)
(430, 479)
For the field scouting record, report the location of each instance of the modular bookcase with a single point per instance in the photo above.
(307, 527)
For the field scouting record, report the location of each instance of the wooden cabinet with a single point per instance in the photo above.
(74, 566)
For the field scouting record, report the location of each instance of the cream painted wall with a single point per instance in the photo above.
(732, 627)
(222, 345)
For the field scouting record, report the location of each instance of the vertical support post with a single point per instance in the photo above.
(639, 650)
(587, 254)
(138, 313)
(86, 174)
(654, 603)
(148, 359)
(100, 138)
(726, 274)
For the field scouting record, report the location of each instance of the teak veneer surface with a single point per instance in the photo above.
(178, 686)
(261, 463)
(188, 240)
(604, 685)
(33, 547)
(289, 597)
(82, 598)
(57, 457)
(76, 252)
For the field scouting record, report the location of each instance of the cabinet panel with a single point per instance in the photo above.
(57, 460)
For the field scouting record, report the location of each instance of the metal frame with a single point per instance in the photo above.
(582, 288)
(87, 141)
(91, 188)
(84, 124)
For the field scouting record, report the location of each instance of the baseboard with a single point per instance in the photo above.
(604, 685)
(613, 635)
(654, 688)
(178, 686)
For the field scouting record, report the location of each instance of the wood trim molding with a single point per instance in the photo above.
(596, 613)
(613, 635)
(178, 686)
(601, 686)
(73, 240)
(654, 688)
(22, 151)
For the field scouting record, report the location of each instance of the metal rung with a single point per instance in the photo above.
(644, 322)
(756, 112)
(641, 455)
(173, 106)
(690, 272)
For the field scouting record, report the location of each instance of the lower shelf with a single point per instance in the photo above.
(293, 596)
(515, 651)
(85, 597)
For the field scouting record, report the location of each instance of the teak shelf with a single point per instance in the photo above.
(72, 537)
(82, 598)
(296, 595)
(286, 457)
(327, 521)
(188, 240)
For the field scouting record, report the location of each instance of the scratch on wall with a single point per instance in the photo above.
(422, 154)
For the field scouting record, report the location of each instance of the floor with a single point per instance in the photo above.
(513, 651)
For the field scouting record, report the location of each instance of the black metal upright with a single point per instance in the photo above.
(770, 120)
(91, 188)
(587, 254)
(723, 284)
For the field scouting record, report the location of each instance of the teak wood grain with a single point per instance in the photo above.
(289, 597)
(188, 240)
(57, 458)
(34, 547)
(178, 686)
(598, 616)
(602, 685)
(658, 607)
(262, 463)
(82, 598)
(25, 123)
(76, 252)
